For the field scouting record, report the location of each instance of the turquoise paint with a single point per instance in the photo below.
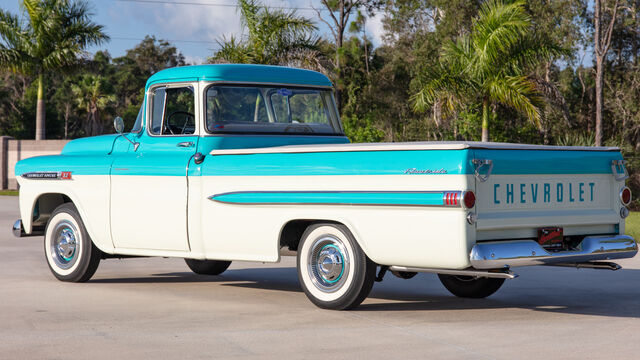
(509, 193)
(565, 192)
(541, 162)
(559, 192)
(102, 144)
(534, 193)
(547, 192)
(571, 199)
(332, 198)
(240, 73)
(339, 163)
(90, 164)
(89, 156)
(156, 156)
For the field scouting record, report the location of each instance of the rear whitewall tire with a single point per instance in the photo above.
(346, 276)
(69, 251)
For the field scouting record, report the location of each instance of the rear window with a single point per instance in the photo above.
(271, 110)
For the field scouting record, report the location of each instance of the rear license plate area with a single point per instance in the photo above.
(551, 237)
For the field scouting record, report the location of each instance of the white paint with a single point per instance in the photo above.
(149, 212)
(394, 235)
(89, 193)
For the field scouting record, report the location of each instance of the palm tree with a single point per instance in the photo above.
(91, 94)
(52, 37)
(489, 66)
(274, 37)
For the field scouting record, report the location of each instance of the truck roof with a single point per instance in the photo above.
(241, 73)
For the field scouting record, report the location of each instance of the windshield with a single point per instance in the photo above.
(137, 126)
(270, 109)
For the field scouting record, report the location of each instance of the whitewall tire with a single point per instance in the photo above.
(333, 270)
(70, 253)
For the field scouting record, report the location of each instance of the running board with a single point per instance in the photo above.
(501, 274)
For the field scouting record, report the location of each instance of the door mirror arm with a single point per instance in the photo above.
(118, 123)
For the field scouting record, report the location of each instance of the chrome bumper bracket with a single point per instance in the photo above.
(504, 254)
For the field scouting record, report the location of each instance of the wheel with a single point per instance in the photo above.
(469, 286)
(70, 253)
(207, 267)
(333, 270)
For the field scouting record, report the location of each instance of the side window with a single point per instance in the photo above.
(173, 111)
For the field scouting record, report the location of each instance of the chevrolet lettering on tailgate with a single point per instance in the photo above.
(556, 192)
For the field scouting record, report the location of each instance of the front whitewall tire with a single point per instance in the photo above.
(70, 253)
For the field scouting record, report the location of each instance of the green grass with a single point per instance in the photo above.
(632, 225)
(9, 192)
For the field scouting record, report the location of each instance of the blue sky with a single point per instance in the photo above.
(193, 29)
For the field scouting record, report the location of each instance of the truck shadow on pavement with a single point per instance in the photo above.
(591, 292)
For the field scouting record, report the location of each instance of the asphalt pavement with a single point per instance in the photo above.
(155, 308)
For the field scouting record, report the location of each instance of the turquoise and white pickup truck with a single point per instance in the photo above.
(244, 162)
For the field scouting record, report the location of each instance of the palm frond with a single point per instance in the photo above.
(231, 51)
(498, 27)
(519, 93)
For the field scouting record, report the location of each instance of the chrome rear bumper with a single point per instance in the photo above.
(501, 254)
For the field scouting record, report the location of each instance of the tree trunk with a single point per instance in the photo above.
(67, 112)
(40, 110)
(602, 41)
(599, 100)
(485, 120)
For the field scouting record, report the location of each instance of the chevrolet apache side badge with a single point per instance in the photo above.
(425, 171)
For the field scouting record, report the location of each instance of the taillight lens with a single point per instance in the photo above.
(625, 196)
(469, 199)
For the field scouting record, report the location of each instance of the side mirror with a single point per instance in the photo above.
(118, 123)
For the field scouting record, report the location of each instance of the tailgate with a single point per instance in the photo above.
(530, 189)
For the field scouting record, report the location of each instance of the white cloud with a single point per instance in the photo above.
(375, 28)
(197, 22)
(193, 60)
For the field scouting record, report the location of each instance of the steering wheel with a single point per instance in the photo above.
(186, 121)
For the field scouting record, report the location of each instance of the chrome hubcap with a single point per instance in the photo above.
(328, 263)
(64, 244)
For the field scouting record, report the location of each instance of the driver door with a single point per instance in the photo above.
(149, 184)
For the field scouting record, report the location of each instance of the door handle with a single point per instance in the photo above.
(185, 144)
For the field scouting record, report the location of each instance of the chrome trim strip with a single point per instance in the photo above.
(403, 146)
(502, 254)
(466, 272)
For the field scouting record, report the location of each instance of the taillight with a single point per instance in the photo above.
(625, 196)
(468, 199)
